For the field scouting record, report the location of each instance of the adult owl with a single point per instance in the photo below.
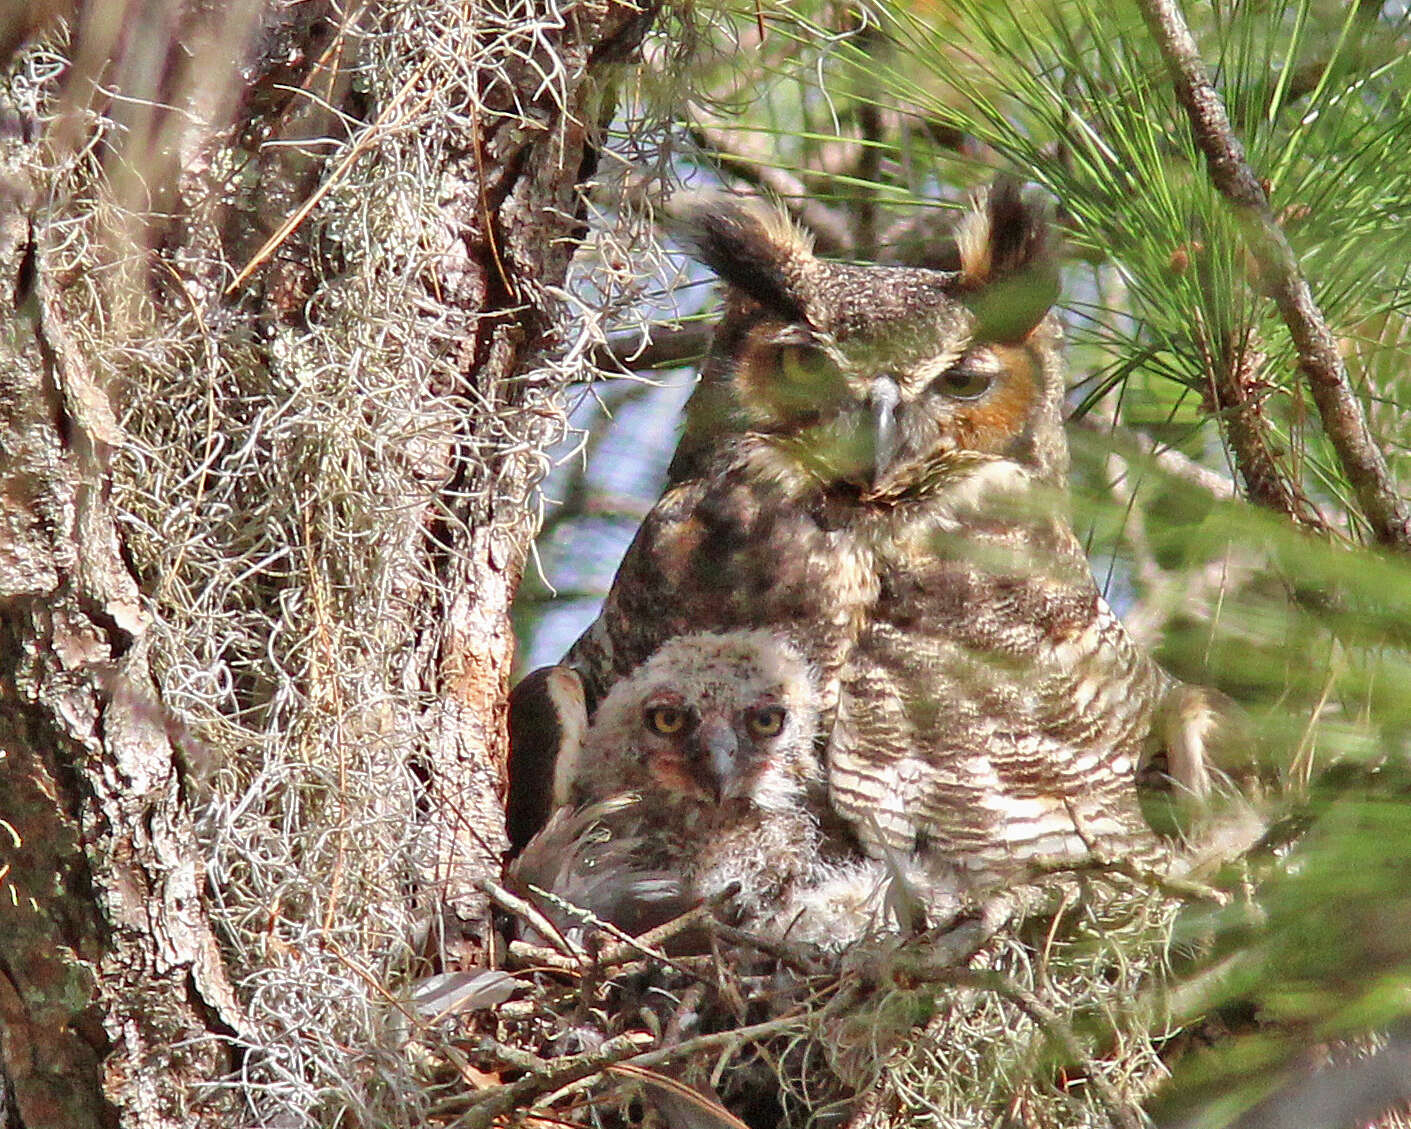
(872, 468)
(698, 780)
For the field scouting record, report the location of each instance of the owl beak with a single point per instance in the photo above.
(716, 751)
(882, 399)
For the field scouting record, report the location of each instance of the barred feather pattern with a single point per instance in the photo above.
(871, 472)
(732, 551)
(991, 718)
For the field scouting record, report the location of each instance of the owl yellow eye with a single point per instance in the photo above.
(811, 381)
(767, 721)
(969, 377)
(666, 720)
(800, 362)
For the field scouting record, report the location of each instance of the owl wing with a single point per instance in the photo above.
(595, 858)
(548, 720)
(550, 708)
(992, 714)
(723, 553)
(1202, 775)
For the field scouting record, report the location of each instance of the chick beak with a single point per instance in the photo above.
(715, 755)
(882, 399)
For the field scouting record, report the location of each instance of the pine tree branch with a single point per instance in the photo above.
(832, 233)
(670, 347)
(1237, 393)
(1131, 443)
(1338, 406)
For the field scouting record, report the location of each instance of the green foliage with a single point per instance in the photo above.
(873, 122)
(1318, 960)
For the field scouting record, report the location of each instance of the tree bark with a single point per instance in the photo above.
(111, 981)
(205, 173)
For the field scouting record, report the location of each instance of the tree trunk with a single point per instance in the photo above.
(269, 429)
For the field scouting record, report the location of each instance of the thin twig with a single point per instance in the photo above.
(1238, 391)
(487, 1105)
(651, 941)
(629, 947)
(674, 347)
(526, 955)
(512, 903)
(1338, 406)
(832, 234)
(1171, 461)
(622, 962)
(673, 1088)
(374, 132)
(1182, 889)
(794, 956)
(490, 1104)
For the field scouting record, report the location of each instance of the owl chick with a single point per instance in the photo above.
(872, 470)
(698, 779)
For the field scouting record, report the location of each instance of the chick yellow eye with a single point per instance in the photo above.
(767, 721)
(666, 720)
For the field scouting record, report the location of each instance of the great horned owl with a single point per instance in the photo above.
(830, 394)
(698, 779)
(871, 468)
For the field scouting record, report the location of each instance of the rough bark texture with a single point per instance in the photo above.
(157, 236)
(110, 978)
(1237, 391)
(513, 217)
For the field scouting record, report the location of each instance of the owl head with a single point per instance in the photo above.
(709, 719)
(888, 379)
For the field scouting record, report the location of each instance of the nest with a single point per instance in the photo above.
(1055, 1020)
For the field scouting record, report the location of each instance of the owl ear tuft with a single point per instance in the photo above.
(1008, 266)
(753, 246)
